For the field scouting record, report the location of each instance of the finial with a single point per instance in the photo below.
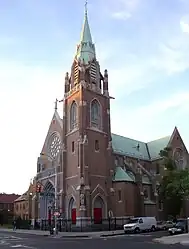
(86, 2)
(67, 76)
(56, 101)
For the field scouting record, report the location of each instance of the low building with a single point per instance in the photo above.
(7, 207)
(23, 204)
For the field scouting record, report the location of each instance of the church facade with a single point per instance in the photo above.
(99, 174)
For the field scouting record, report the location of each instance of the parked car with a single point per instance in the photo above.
(164, 225)
(180, 227)
(139, 224)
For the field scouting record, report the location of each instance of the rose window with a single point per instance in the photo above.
(54, 146)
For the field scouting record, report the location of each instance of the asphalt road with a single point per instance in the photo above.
(15, 240)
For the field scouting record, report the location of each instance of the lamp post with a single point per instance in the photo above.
(30, 205)
(55, 200)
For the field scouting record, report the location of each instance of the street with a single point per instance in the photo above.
(16, 240)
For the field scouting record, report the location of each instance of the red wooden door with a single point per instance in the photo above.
(73, 215)
(97, 215)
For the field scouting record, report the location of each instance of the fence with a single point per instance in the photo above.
(83, 225)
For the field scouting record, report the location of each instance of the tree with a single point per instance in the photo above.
(174, 186)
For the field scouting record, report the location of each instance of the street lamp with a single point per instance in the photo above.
(30, 205)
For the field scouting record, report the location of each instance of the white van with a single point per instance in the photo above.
(139, 224)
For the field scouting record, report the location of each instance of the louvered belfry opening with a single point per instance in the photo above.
(93, 72)
(76, 74)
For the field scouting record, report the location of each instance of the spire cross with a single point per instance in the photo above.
(56, 101)
(86, 2)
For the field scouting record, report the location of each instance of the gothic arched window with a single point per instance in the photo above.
(73, 115)
(95, 114)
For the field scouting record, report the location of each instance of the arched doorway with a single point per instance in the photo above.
(98, 210)
(72, 211)
(48, 198)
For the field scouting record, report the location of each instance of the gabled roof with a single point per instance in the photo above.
(122, 176)
(52, 127)
(155, 146)
(128, 147)
(176, 133)
(8, 198)
(146, 151)
(21, 198)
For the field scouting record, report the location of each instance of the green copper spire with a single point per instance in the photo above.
(85, 49)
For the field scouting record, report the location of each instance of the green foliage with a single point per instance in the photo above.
(175, 184)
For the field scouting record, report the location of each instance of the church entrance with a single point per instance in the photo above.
(73, 215)
(72, 211)
(47, 199)
(98, 210)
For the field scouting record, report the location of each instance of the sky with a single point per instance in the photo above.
(142, 43)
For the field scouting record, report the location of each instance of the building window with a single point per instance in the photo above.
(38, 167)
(97, 148)
(73, 116)
(160, 205)
(157, 169)
(119, 195)
(73, 147)
(95, 114)
(146, 195)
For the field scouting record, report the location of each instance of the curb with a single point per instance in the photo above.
(110, 235)
(185, 243)
(72, 236)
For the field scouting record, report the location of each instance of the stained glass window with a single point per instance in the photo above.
(73, 116)
(95, 114)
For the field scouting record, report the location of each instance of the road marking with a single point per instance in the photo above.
(23, 246)
(3, 242)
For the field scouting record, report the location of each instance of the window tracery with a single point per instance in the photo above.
(73, 116)
(95, 114)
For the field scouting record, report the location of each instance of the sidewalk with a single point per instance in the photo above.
(182, 239)
(66, 234)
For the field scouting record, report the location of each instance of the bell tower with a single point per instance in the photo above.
(87, 132)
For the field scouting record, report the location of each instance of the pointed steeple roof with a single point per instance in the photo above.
(86, 33)
(85, 49)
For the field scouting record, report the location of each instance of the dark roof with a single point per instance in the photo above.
(8, 198)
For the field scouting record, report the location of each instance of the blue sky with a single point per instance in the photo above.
(142, 43)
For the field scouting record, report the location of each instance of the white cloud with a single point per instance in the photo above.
(26, 107)
(184, 24)
(150, 122)
(126, 8)
(178, 100)
(122, 15)
(130, 78)
(172, 59)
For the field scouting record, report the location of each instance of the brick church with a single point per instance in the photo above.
(99, 174)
